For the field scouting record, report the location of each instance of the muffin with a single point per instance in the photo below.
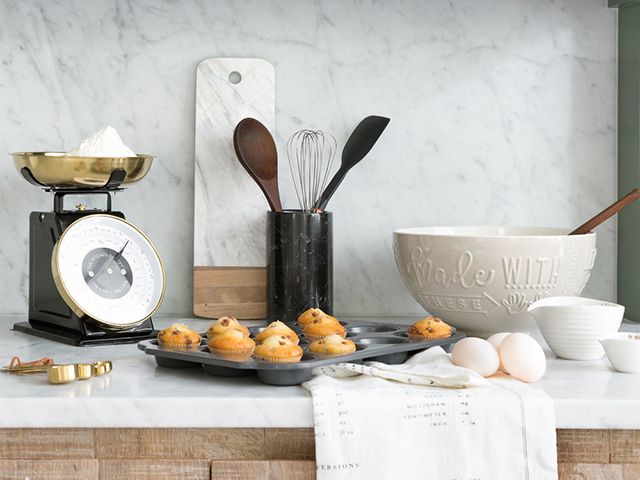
(323, 327)
(232, 344)
(430, 328)
(224, 323)
(278, 349)
(277, 328)
(332, 345)
(179, 337)
(310, 315)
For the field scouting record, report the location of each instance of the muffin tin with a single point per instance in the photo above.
(380, 342)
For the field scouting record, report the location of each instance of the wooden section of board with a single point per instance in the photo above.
(237, 291)
(229, 208)
(288, 470)
(225, 470)
(248, 453)
(70, 469)
(625, 446)
(597, 471)
(173, 469)
(583, 446)
(290, 444)
(208, 443)
(51, 443)
(263, 470)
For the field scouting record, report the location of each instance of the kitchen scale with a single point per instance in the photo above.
(94, 278)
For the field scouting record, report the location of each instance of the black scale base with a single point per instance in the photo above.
(49, 315)
(75, 338)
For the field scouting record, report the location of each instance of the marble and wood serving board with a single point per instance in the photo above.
(381, 342)
(229, 272)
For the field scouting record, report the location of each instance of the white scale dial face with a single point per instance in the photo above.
(110, 270)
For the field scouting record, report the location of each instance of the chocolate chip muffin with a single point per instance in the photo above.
(232, 344)
(332, 345)
(277, 328)
(430, 328)
(278, 349)
(323, 327)
(179, 337)
(224, 323)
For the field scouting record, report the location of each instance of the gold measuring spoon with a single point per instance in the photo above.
(58, 374)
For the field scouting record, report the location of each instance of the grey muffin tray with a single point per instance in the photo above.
(381, 342)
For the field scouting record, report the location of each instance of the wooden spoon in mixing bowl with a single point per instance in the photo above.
(257, 153)
(611, 210)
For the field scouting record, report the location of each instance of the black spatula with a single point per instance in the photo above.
(361, 141)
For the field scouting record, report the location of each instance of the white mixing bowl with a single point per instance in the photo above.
(482, 279)
(573, 326)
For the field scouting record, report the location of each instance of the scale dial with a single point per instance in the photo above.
(107, 269)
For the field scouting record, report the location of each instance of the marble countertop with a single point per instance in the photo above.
(137, 393)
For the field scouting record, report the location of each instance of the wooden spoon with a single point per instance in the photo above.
(611, 210)
(257, 153)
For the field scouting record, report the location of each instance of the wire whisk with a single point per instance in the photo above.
(310, 155)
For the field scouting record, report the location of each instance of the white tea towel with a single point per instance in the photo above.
(428, 419)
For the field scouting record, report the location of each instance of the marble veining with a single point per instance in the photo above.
(503, 112)
(229, 208)
(137, 393)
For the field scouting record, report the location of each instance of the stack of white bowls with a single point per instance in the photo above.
(573, 326)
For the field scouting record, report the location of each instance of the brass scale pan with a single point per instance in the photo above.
(59, 170)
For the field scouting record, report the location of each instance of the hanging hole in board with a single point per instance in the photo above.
(235, 77)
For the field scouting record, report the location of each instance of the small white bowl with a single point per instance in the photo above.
(623, 351)
(573, 326)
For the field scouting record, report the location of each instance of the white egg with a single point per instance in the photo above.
(496, 340)
(522, 357)
(476, 354)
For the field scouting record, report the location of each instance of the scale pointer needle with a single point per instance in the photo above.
(113, 259)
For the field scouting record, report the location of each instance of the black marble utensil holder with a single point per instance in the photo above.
(299, 263)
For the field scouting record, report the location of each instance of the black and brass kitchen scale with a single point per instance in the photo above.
(94, 278)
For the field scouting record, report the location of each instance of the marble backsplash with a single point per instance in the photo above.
(503, 112)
